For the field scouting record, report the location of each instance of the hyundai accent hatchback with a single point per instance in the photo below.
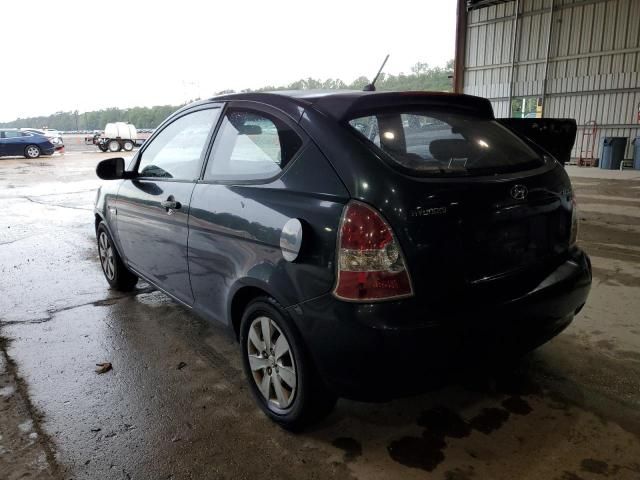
(351, 241)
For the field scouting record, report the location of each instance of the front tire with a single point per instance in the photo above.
(277, 366)
(32, 151)
(114, 146)
(116, 273)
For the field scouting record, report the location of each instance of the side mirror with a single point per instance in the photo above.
(112, 169)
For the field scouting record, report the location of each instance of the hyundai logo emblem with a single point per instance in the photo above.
(519, 192)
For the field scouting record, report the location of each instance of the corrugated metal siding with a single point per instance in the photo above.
(593, 67)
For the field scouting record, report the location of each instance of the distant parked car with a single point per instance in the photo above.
(53, 135)
(16, 142)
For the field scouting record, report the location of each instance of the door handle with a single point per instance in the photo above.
(170, 204)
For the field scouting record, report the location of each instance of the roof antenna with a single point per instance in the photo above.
(372, 86)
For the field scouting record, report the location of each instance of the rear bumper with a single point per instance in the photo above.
(357, 346)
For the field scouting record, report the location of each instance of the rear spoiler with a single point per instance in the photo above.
(555, 135)
(349, 105)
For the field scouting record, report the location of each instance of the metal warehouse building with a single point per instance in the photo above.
(555, 58)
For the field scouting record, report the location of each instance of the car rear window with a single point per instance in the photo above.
(445, 143)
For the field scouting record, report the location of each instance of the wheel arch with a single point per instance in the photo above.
(98, 219)
(240, 296)
(116, 244)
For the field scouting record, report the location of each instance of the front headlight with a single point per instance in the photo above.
(573, 238)
(55, 140)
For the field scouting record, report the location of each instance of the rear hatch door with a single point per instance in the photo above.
(474, 205)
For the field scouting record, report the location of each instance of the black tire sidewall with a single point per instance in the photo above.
(293, 415)
(123, 279)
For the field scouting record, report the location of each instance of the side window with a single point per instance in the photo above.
(251, 145)
(177, 150)
(12, 134)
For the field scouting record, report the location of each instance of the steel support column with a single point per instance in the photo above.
(461, 39)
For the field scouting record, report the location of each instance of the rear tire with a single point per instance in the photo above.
(32, 151)
(114, 146)
(281, 375)
(116, 273)
(127, 145)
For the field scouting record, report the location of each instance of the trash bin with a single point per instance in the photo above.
(612, 152)
(636, 153)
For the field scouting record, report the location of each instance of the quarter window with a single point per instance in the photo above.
(251, 146)
(177, 150)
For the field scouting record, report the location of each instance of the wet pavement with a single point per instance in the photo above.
(175, 403)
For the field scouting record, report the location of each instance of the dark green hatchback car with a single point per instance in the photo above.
(351, 241)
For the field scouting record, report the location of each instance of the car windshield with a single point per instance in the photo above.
(445, 143)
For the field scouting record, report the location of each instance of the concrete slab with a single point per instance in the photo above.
(570, 410)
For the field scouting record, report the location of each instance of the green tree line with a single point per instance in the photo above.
(422, 77)
(141, 117)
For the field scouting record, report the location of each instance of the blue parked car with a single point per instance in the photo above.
(16, 143)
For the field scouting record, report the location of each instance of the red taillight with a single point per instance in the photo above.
(370, 262)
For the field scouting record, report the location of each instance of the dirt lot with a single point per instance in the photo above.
(175, 404)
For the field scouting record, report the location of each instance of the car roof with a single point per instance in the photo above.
(347, 104)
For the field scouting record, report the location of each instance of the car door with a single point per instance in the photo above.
(12, 143)
(236, 215)
(555, 135)
(2, 144)
(153, 207)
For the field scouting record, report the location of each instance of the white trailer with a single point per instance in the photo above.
(117, 136)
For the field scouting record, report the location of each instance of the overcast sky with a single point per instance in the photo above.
(66, 54)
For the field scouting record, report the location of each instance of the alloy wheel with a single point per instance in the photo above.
(33, 152)
(106, 256)
(272, 362)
